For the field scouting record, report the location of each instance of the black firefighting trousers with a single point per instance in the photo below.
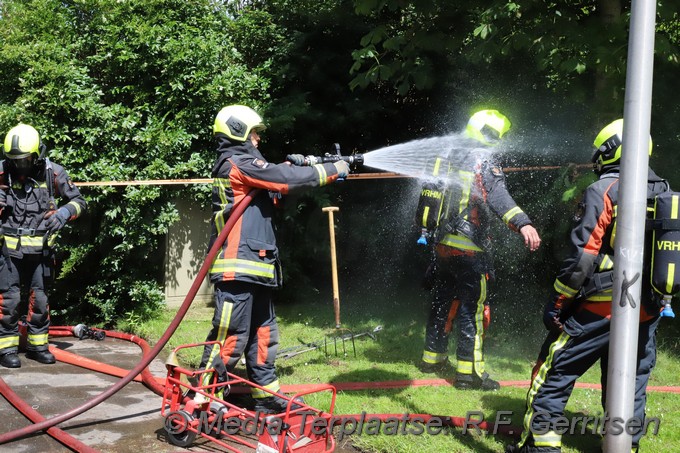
(28, 272)
(566, 357)
(460, 278)
(244, 322)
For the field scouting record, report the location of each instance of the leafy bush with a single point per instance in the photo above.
(121, 91)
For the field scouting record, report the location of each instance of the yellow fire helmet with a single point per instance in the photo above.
(237, 121)
(608, 144)
(487, 126)
(22, 141)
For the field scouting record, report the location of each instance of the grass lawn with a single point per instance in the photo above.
(511, 347)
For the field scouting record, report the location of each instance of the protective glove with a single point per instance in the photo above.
(55, 220)
(342, 167)
(552, 312)
(302, 161)
(296, 159)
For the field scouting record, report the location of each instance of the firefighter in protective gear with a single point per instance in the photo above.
(578, 314)
(463, 264)
(29, 183)
(247, 269)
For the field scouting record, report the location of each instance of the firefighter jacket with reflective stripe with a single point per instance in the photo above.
(592, 239)
(476, 188)
(250, 253)
(28, 198)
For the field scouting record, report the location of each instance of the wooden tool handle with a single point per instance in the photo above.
(334, 266)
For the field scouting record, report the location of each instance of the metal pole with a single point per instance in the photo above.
(629, 242)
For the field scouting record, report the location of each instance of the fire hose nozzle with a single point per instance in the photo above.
(355, 160)
(81, 331)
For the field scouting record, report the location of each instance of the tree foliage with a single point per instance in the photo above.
(579, 47)
(121, 91)
(127, 90)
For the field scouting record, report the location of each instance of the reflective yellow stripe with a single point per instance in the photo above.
(225, 320)
(426, 211)
(465, 178)
(674, 207)
(606, 264)
(76, 206)
(564, 289)
(321, 171)
(37, 339)
(9, 342)
(221, 185)
(670, 277)
(434, 357)
(459, 242)
(464, 367)
(604, 296)
(31, 241)
(274, 387)
(28, 241)
(508, 216)
(479, 326)
(538, 382)
(437, 162)
(549, 439)
(242, 266)
(12, 242)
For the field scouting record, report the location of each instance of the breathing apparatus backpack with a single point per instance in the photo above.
(432, 199)
(665, 264)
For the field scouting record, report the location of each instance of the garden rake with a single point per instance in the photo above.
(339, 334)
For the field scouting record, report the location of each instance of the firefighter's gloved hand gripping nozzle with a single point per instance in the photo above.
(354, 160)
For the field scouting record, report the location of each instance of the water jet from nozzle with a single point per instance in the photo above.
(411, 158)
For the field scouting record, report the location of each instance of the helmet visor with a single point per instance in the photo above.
(490, 134)
(24, 163)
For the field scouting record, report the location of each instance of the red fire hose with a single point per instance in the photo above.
(141, 371)
(156, 384)
(22, 406)
(147, 358)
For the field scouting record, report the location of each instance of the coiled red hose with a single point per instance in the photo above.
(154, 383)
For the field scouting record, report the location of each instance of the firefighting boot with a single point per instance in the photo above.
(275, 404)
(10, 360)
(443, 367)
(45, 357)
(531, 449)
(474, 382)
